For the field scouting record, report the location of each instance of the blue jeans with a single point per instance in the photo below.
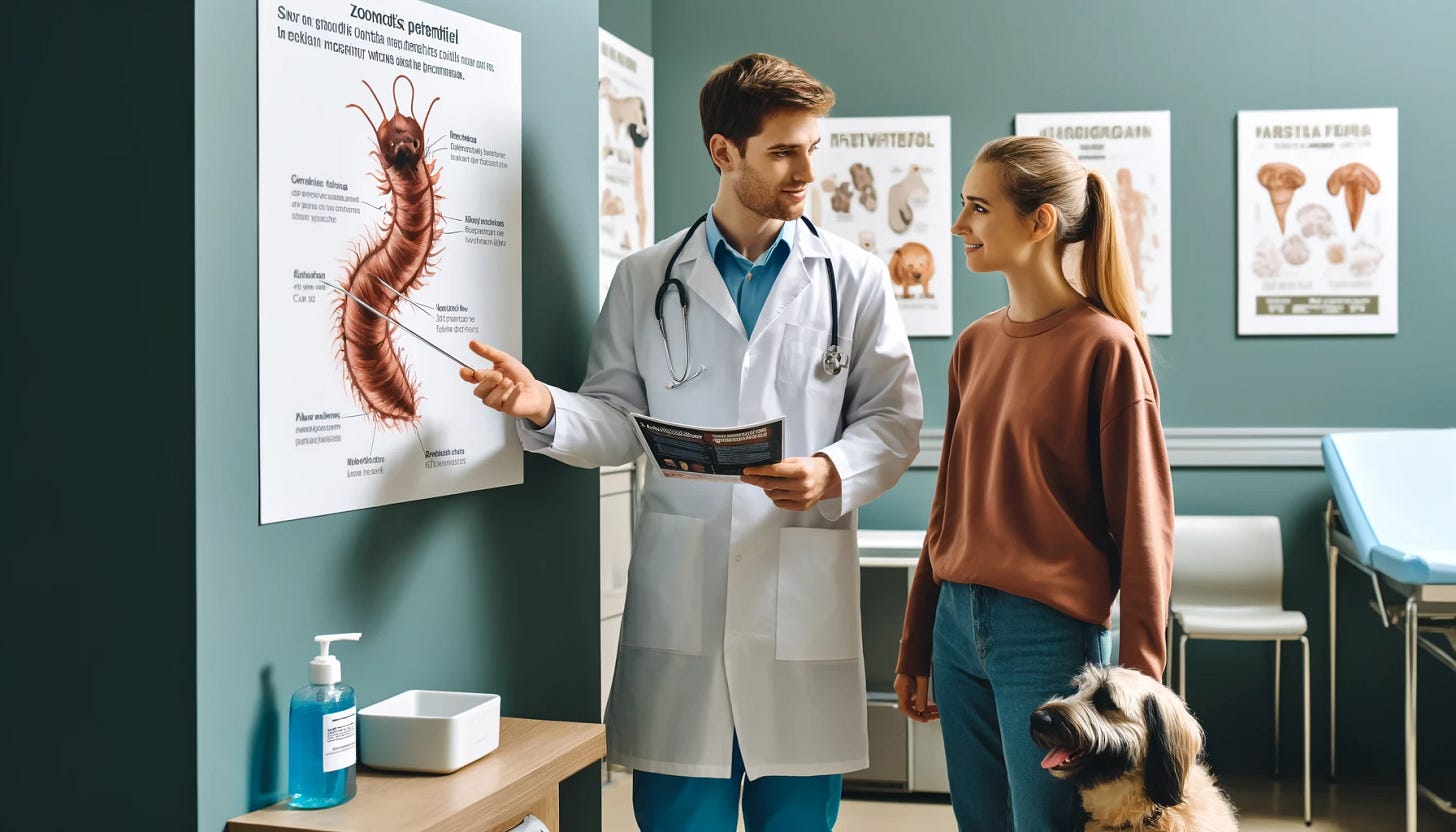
(667, 803)
(997, 657)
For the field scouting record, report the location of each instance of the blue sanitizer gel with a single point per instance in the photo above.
(321, 731)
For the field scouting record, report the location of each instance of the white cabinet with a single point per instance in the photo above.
(618, 495)
(905, 756)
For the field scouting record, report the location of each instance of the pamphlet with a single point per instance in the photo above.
(699, 453)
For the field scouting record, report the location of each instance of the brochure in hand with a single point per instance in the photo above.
(699, 453)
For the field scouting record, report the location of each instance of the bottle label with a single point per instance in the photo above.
(339, 739)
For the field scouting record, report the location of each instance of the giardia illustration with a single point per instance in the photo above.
(390, 261)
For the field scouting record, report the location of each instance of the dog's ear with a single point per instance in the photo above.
(1172, 751)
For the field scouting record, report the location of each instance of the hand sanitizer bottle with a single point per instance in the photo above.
(321, 750)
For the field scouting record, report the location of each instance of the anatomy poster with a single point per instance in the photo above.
(1133, 152)
(885, 184)
(1317, 195)
(624, 101)
(389, 236)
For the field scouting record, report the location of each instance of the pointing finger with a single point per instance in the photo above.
(489, 353)
(489, 381)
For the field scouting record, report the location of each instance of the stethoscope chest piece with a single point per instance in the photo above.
(835, 360)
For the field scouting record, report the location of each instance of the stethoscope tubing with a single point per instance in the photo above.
(834, 359)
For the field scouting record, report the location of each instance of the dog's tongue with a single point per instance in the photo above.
(1055, 757)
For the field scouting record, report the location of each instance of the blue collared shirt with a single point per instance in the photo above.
(748, 281)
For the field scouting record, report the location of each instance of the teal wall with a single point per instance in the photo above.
(96, 565)
(490, 591)
(630, 20)
(140, 601)
(981, 63)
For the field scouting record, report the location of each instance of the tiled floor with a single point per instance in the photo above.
(1264, 806)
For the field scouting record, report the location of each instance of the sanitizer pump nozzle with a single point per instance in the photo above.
(324, 669)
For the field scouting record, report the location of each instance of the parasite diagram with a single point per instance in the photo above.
(390, 262)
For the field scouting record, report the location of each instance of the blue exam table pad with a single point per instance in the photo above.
(1397, 495)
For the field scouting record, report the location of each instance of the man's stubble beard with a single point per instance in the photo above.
(754, 192)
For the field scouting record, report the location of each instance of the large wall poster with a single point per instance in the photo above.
(884, 184)
(1318, 195)
(624, 94)
(1133, 152)
(389, 184)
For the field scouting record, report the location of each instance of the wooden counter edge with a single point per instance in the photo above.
(578, 745)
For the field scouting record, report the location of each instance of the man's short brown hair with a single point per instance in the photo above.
(738, 96)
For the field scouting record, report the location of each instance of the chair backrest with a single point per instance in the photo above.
(1227, 561)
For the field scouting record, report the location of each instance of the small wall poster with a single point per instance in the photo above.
(884, 184)
(624, 105)
(1317, 202)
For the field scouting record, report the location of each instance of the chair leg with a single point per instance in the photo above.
(1412, 651)
(1334, 636)
(1278, 655)
(1183, 667)
(1168, 653)
(1308, 819)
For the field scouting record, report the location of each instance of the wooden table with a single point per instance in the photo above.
(492, 794)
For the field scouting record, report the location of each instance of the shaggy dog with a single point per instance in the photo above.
(1132, 749)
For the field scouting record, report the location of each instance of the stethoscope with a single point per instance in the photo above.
(834, 361)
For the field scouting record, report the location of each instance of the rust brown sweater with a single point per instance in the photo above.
(1054, 481)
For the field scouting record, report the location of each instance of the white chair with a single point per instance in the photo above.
(1228, 583)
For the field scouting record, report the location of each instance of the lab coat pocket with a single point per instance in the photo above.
(801, 360)
(664, 608)
(818, 598)
(811, 396)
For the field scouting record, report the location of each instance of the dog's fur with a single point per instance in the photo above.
(1135, 752)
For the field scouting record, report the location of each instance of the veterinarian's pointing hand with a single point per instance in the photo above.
(507, 386)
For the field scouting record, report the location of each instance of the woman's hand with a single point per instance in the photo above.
(914, 695)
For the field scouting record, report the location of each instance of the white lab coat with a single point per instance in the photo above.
(741, 616)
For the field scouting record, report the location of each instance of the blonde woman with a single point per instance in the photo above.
(1054, 490)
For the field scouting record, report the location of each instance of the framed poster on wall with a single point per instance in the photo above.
(1317, 201)
(1133, 152)
(884, 184)
(624, 171)
(389, 236)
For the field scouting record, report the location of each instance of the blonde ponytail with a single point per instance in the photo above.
(1106, 270)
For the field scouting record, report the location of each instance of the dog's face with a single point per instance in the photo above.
(1120, 724)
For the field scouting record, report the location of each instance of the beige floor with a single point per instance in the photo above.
(1264, 806)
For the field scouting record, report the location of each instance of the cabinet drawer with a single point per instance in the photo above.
(889, 750)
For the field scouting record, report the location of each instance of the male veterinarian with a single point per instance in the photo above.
(740, 650)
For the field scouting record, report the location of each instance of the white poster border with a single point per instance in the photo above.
(397, 132)
(1318, 233)
(625, 168)
(884, 183)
